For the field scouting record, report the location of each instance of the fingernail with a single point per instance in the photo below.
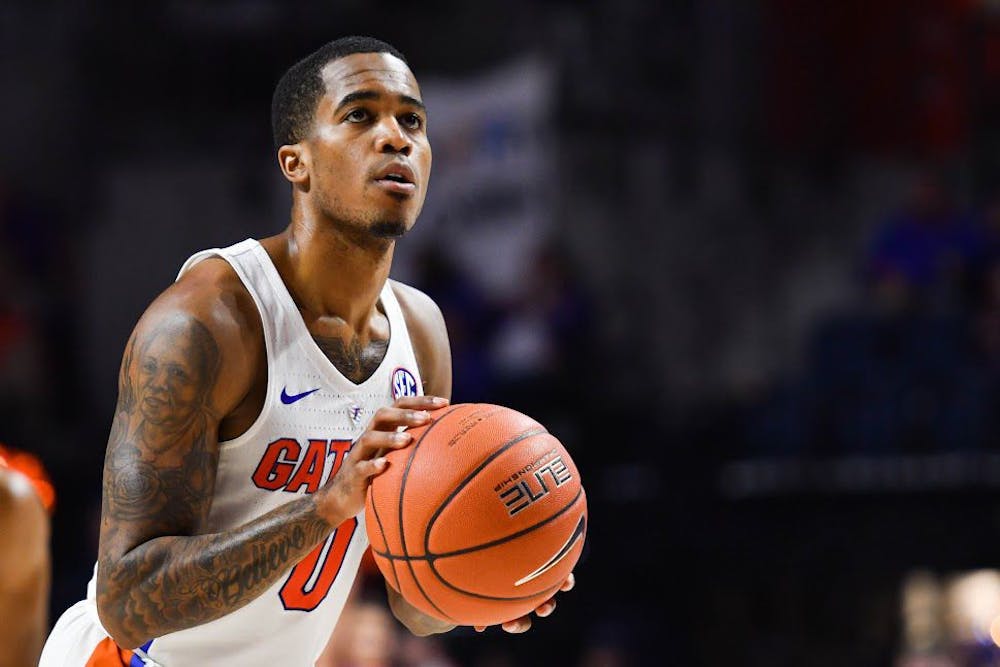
(401, 438)
(437, 400)
(421, 415)
(381, 462)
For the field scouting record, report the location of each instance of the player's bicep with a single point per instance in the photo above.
(159, 470)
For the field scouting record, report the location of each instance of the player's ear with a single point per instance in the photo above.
(294, 162)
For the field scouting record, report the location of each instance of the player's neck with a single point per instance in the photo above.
(335, 276)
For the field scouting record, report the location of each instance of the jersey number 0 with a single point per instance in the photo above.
(310, 580)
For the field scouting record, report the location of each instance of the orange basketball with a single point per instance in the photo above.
(480, 519)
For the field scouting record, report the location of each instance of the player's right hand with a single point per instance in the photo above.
(343, 496)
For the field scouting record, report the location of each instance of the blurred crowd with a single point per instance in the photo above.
(951, 620)
(911, 365)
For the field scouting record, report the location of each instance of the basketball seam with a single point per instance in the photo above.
(543, 592)
(471, 427)
(580, 532)
(485, 545)
(385, 540)
(402, 491)
(521, 437)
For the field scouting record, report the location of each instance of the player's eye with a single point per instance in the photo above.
(149, 365)
(357, 116)
(412, 121)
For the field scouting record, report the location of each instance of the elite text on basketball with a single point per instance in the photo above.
(519, 496)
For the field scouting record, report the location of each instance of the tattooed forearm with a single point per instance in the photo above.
(266, 560)
(171, 583)
(355, 361)
(156, 573)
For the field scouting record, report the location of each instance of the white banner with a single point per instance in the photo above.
(492, 182)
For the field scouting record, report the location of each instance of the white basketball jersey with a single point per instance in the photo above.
(311, 415)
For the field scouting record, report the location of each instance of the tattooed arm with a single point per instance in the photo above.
(192, 360)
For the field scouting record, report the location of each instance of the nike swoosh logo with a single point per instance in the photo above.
(578, 534)
(288, 400)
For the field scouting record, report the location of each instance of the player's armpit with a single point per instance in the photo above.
(156, 574)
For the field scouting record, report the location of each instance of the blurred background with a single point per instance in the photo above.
(741, 256)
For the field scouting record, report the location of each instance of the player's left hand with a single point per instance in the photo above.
(523, 624)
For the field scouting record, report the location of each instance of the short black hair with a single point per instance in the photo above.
(300, 88)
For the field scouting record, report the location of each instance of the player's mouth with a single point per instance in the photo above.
(396, 178)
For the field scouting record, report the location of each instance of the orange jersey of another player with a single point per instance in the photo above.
(26, 495)
(31, 467)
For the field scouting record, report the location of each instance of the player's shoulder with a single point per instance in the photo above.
(212, 284)
(211, 295)
(209, 317)
(423, 316)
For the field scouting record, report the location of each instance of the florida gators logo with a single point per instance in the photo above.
(403, 383)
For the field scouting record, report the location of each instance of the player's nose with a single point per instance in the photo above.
(391, 138)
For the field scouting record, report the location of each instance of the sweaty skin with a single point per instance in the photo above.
(24, 571)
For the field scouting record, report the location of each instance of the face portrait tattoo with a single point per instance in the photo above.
(174, 374)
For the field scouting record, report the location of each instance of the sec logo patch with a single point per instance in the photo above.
(403, 383)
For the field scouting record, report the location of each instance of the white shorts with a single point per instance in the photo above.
(79, 640)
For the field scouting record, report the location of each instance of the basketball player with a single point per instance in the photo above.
(232, 521)
(24, 565)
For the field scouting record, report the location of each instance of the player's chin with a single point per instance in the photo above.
(389, 229)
